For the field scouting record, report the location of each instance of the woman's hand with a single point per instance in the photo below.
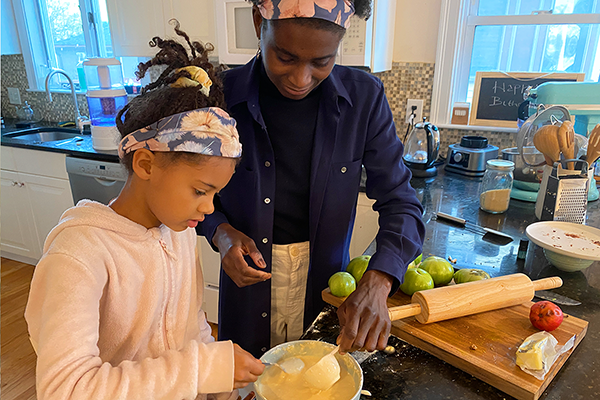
(364, 317)
(247, 369)
(233, 246)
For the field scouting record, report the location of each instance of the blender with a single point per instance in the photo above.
(106, 96)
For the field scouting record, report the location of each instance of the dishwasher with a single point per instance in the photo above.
(100, 181)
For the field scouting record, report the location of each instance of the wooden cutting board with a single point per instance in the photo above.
(484, 345)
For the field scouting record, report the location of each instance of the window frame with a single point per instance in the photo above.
(458, 20)
(37, 27)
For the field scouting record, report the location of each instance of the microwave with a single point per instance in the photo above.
(366, 43)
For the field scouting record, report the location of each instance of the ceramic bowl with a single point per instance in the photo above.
(313, 347)
(568, 246)
(566, 263)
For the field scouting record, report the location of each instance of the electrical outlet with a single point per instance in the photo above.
(418, 112)
(14, 96)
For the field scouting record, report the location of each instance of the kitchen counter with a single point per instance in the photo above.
(82, 148)
(411, 373)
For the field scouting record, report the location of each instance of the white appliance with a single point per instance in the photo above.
(366, 43)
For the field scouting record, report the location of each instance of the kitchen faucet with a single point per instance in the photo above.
(80, 120)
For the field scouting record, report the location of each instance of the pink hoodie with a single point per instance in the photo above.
(114, 312)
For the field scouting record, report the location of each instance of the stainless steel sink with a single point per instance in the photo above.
(43, 135)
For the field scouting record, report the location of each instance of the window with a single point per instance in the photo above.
(511, 36)
(70, 31)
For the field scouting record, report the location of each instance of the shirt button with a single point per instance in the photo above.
(263, 349)
(264, 315)
(267, 200)
(344, 169)
(267, 164)
(265, 240)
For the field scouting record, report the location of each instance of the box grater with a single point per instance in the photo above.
(563, 193)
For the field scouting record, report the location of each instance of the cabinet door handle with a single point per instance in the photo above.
(14, 183)
(21, 184)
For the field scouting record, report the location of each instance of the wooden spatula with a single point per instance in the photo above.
(546, 141)
(566, 142)
(593, 150)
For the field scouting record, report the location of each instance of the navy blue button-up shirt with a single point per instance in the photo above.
(354, 128)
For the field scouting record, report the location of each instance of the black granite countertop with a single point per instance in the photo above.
(81, 148)
(411, 373)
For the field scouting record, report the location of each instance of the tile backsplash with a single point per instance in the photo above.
(60, 109)
(404, 81)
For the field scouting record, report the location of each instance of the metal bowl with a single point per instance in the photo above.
(524, 172)
(313, 347)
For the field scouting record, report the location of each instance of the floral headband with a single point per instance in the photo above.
(336, 11)
(209, 131)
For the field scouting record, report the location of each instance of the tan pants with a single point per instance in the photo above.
(289, 272)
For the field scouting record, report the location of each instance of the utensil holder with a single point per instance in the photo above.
(563, 193)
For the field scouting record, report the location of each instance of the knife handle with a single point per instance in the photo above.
(451, 218)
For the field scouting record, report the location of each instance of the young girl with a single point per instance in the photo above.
(114, 310)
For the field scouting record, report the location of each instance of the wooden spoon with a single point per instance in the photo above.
(566, 141)
(546, 141)
(593, 150)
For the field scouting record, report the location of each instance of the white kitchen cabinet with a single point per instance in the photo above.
(211, 268)
(365, 226)
(34, 196)
(17, 222)
(365, 229)
(133, 23)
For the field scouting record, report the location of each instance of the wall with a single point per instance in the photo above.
(10, 37)
(416, 32)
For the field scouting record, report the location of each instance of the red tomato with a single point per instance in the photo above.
(545, 315)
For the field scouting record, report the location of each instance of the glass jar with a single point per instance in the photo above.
(494, 194)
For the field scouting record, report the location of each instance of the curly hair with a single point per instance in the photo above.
(158, 99)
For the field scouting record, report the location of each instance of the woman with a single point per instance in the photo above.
(283, 224)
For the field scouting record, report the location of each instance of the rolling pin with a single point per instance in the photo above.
(469, 298)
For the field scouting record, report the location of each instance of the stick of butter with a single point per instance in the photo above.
(536, 350)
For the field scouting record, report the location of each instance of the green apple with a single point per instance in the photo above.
(416, 279)
(342, 284)
(470, 275)
(357, 266)
(440, 270)
(416, 262)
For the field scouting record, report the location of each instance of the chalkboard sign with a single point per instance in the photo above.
(497, 95)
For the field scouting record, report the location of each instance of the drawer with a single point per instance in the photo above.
(7, 159)
(38, 162)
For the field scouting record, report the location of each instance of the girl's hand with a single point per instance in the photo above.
(233, 246)
(247, 368)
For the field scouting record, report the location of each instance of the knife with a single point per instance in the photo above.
(467, 224)
(556, 298)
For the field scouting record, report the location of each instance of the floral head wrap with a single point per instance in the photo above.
(336, 11)
(209, 131)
